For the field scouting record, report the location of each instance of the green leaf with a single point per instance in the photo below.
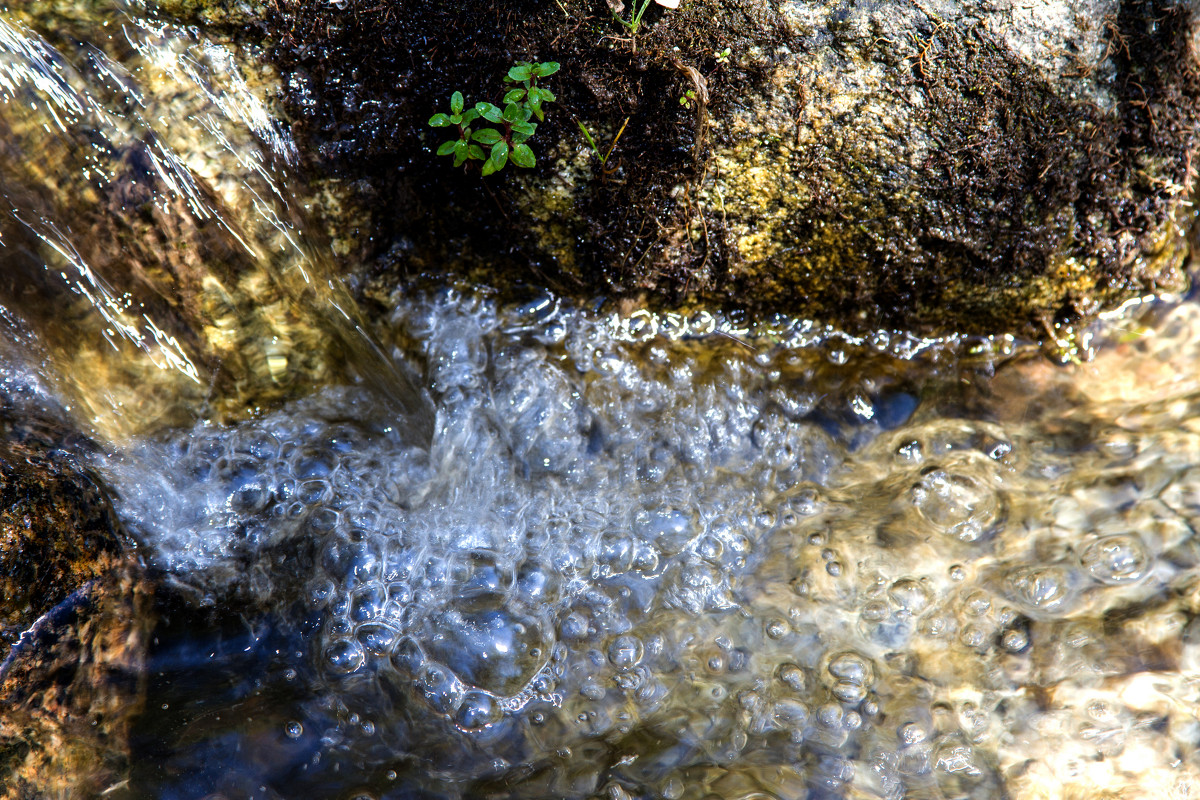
(456, 102)
(456, 119)
(515, 96)
(476, 152)
(439, 121)
(515, 112)
(546, 95)
(460, 152)
(469, 116)
(517, 138)
(588, 135)
(489, 167)
(535, 105)
(447, 147)
(522, 156)
(545, 69)
(520, 72)
(486, 136)
(526, 128)
(499, 154)
(490, 112)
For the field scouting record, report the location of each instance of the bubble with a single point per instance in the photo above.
(777, 628)
(830, 716)
(368, 603)
(957, 504)
(973, 636)
(793, 677)
(1116, 559)
(670, 530)
(910, 595)
(377, 638)
(477, 710)
(1014, 641)
(491, 648)
(344, 656)
(853, 675)
(439, 687)
(876, 611)
(625, 652)
(293, 730)
(1044, 589)
(977, 604)
(408, 658)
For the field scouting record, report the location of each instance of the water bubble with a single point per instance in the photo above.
(492, 647)
(476, 710)
(830, 716)
(957, 504)
(625, 652)
(793, 677)
(670, 530)
(1120, 558)
(777, 628)
(293, 730)
(1044, 589)
(1014, 640)
(344, 656)
(854, 675)
(973, 636)
(910, 595)
(977, 603)
(439, 686)
(377, 638)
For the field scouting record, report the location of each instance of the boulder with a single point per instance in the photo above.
(930, 166)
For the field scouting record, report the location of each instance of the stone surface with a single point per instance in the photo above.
(929, 166)
(74, 607)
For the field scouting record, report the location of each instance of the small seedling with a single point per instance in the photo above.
(603, 158)
(506, 141)
(723, 56)
(688, 98)
(635, 19)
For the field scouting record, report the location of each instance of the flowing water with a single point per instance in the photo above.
(497, 544)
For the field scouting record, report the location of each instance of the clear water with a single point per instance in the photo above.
(590, 555)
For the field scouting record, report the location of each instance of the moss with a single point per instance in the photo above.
(871, 164)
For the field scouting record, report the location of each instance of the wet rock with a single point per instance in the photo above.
(950, 166)
(73, 607)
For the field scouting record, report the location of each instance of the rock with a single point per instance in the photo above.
(930, 166)
(74, 606)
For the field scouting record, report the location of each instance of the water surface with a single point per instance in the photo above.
(498, 544)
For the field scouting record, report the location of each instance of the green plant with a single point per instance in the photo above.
(635, 19)
(514, 126)
(688, 98)
(603, 157)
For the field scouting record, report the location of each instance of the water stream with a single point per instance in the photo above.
(497, 544)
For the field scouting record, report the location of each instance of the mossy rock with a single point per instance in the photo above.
(925, 166)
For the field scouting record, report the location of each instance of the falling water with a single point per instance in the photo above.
(594, 554)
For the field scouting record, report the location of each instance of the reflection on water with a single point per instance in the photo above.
(626, 556)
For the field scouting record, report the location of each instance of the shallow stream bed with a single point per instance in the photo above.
(499, 544)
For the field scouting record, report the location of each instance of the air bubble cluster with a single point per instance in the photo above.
(679, 569)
